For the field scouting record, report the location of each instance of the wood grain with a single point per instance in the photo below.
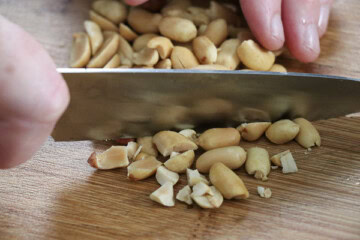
(57, 195)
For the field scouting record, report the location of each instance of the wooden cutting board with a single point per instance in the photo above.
(56, 195)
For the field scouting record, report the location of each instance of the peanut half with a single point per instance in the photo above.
(255, 57)
(148, 146)
(308, 135)
(163, 45)
(114, 157)
(80, 51)
(142, 41)
(132, 148)
(206, 200)
(146, 57)
(113, 10)
(253, 131)
(233, 157)
(127, 33)
(218, 138)
(125, 52)
(169, 141)
(143, 21)
(183, 58)
(282, 131)
(227, 55)
(105, 53)
(164, 64)
(95, 35)
(184, 195)
(258, 163)
(278, 68)
(102, 22)
(178, 29)
(142, 169)
(164, 195)
(205, 50)
(114, 62)
(217, 31)
(163, 175)
(227, 182)
(180, 162)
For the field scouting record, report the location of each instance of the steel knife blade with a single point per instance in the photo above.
(114, 103)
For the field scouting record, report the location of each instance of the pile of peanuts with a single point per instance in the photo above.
(168, 154)
(180, 35)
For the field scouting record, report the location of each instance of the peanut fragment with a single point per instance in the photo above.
(95, 35)
(278, 68)
(131, 148)
(81, 50)
(233, 157)
(201, 189)
(148, 146)
(276, 158)
(127, 32)
(114, 157)
(143, 21)
(183, 58)
(141, 156)
(180, 162)
(142, 41)
(105, 53)
(217, 199)
(253, 131)
(227, 182)
(218, 138)
(217, 31)
(288, 163)
(142, 169)
(258, 163)
(169, 141)
(114, 62)
(255, 57)
(227, 55)
(184, 195)
(164, 195)
(207, 197)
(164, 64)
(113, 10)
(194, 177)
(178, 29)
(308, 135)
(282, 131)
(190, 134)
(163, 176)
(264, 192)
(205, 50)
(146, 57)
(202, 201)
(102, 22)
(163, 45)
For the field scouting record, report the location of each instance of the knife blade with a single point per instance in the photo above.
(114, 103)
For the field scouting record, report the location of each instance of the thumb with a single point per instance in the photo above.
(33, 95)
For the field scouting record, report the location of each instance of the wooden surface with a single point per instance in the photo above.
(56, 195)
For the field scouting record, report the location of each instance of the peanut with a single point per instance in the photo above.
(143, 21)
(194, 177)
(142, 41)
(113, 10)
(142, 169)
(163, 176)
(125, 52)
(308, 135)
(180, 162)
(276, 158)
(278, 68)
(95, 35)
(184, 195)
(183, 58)
(253, 131)
(227, 55)
(164, 195)
(141, 156)
(201, 189)
(131, 148)
(163, 45)
(190, 134)
(114, 157)
(282, 131)
(146, 57)
(81, 50)
(218, 138)
(168, 142)
(205, 50)
(233, 157)
(148, 146)
(202, 29)
(217, 31)
(127, 33)
(164, 64)
(255, 57)
(114, 62)
(258, 163)
(227, 182)
(178, 29)
(105, 53)
(102, 22)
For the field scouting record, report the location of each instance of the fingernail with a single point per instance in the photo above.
(323, 18)
(311, 38)
(277, 29)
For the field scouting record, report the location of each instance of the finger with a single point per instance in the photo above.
(325, 7)
(32, 95)
(264, 20)
(135, 2)
(300, 20)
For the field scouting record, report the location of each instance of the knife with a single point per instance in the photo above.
(115, 103)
